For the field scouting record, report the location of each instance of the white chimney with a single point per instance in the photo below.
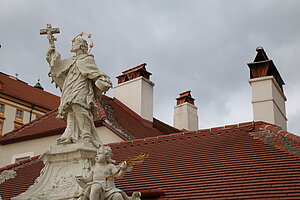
(268, 99)
(135, 90)
(185, 113)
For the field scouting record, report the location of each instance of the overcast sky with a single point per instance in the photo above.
(202, 46)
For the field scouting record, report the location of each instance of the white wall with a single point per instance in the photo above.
(137, 94)
(268, 101)
(186, 117)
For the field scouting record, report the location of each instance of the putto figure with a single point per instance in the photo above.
(81, 83)
(99, 184)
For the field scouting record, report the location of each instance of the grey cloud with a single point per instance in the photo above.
(201, 46)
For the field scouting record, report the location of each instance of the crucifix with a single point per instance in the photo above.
(50, 31)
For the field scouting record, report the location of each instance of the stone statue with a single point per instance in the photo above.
(81, 83)
(99, 184)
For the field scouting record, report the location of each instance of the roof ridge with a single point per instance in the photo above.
(276, 129)
(28, 124)
(239, 125)
(16, 164)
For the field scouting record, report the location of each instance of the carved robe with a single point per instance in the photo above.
(76, 78)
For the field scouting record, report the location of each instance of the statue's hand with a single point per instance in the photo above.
(126, 167)
(50, 50)
(79, 178)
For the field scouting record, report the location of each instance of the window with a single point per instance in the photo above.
(1, 108)
(21, 156)
(1, 127)
(19, 114)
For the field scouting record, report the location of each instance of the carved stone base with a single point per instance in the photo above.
(57, 179)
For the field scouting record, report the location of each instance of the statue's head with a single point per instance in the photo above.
(104, 154)
(80, 44)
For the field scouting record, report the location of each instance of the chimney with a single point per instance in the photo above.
(185, 112)
(135, 90)
(268, 99)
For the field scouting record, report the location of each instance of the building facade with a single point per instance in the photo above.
(21, 103)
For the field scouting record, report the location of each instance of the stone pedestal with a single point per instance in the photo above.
(57, 179)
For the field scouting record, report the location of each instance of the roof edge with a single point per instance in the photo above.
(10, 166)
(275, 129)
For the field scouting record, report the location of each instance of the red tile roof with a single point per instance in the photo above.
(123, 121)
(46, 125)
(22, 91)
(243, 161)
(134, 124)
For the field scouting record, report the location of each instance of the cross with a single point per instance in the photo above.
(50, 31)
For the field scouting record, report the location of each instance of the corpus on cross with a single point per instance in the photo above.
(49, 31)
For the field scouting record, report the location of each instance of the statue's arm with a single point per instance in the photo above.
(120, 170)
(86, 179)
(57, 66)
(52, 56)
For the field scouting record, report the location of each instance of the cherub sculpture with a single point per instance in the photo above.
(99, 184)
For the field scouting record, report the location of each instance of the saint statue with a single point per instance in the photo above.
(99, 184)
(81, 84)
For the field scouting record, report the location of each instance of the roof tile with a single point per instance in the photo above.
(228, 163)
(21, 90)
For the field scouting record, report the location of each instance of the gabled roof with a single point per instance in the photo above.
(22, 91)
(254, 160)
(112, 113)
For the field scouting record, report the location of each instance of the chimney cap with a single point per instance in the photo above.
(136, 68)
(263, 66)
(133, 73)
(259, 48)
(185, 97)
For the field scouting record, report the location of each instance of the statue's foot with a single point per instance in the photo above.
(64, 141)
(136, 196)
(88, 143)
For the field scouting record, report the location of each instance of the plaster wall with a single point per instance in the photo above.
(268, 101)
(107, 136)
(137, 94)
(37, 146)
(186, 117)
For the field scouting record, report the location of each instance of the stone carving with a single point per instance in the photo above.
(6, 175)
(81, 83)
(99, 183)
(57, 178)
